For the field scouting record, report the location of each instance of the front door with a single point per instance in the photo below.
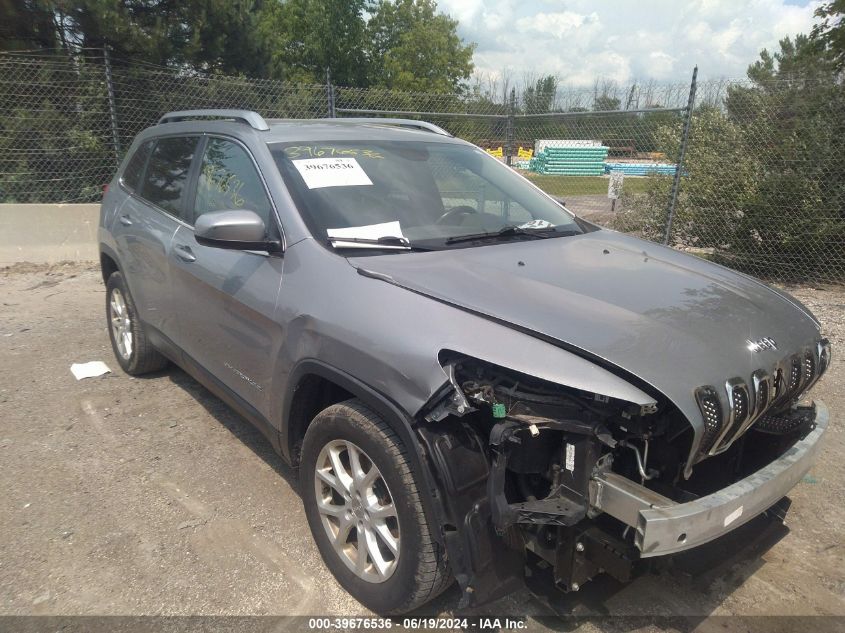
(225, 299)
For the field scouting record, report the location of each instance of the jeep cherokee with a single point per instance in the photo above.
(473, 383)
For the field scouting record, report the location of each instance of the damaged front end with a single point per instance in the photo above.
(542, 480)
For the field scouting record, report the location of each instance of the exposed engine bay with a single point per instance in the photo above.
(546, 479)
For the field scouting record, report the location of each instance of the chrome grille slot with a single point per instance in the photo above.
(778, 385)
(740, 400)
(809, 368)
(737, 414)
(711, 411)
(763, 389)
(794, 375)
(762, 385)
(824, 355)
(816, 361)
(763, 396)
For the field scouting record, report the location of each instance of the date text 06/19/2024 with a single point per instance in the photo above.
(449, 624)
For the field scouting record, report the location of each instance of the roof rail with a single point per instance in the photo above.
(253, 119)
(412, 123)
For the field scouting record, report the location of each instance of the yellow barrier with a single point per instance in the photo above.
(521, 154)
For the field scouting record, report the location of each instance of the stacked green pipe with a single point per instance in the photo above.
(570, 161)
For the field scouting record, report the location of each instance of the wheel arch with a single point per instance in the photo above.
(312, 377)
(108, 262)
(310, 372)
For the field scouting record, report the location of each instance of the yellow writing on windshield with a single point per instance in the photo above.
(319, 151)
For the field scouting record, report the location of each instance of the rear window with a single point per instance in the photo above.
(131, 177)
(167, 173)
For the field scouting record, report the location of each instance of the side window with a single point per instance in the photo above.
(167, 173)
(228, 180)
(134, 168)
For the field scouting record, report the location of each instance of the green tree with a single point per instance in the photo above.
(307, 37)
(413, 47)
(829, 33)
(606, 102)
(764, 182)
(208, 35)
(540, 97)
(27, 24)
(793, 123)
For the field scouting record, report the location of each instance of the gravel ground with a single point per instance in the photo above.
(147, 496)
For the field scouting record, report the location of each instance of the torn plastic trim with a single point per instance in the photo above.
(481, 562)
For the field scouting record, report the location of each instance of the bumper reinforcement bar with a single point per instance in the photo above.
(663, 526)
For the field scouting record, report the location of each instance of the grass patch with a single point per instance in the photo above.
(582, 185)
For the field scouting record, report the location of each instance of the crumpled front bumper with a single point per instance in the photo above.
(665, 527)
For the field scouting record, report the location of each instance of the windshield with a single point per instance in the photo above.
(407, 193)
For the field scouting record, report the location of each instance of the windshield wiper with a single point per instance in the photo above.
(508, 231)
(385, 241)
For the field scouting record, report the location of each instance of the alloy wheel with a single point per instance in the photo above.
(121, 324)
(357, 511)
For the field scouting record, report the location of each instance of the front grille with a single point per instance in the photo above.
(809, 368)
(763, 395)
(711, 411)
(784, 423)
(740, 402)
(824, 355)
(751, 404)
(779, 385)
(794, 375)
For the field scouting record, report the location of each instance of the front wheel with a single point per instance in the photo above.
(364, 511)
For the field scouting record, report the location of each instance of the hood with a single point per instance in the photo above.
(675, 321)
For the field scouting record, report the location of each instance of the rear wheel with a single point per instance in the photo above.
(364, 510)
(130, 344)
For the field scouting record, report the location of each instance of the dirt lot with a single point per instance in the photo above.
(147, 496)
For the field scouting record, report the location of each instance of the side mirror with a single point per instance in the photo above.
(238, 229)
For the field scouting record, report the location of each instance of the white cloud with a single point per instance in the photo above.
(557, 25)
(661, 65)
(582, 40)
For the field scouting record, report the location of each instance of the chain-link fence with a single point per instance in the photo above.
(758, 183)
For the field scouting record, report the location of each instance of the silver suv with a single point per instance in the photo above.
(474, 383)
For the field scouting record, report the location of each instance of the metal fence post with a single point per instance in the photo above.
(509, 133)
(112, 106)
(676, 181)
(330, 95)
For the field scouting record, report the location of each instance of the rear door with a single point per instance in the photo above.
(225, 299)
(145, 224)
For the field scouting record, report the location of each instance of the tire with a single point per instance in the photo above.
(122, 319)
(418, 572)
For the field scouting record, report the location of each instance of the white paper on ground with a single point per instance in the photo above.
(89, 370)
(367, 232)
(331, 172)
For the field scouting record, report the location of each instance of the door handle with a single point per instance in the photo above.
(125, 220)
(184, 253)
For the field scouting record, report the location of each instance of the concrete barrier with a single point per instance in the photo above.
(48, 233)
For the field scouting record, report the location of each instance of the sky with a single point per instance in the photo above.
(624, 40)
